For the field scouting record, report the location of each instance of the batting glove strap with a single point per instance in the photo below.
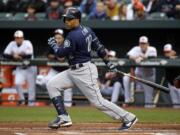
(112, 67)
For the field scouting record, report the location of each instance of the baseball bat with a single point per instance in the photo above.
(156, 97)
(149, 83)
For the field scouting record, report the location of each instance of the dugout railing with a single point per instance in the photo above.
(123, 64)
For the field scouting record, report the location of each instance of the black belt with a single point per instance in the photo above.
(76, 66)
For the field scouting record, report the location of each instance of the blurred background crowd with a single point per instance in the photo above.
(120, 39)
(91, 9)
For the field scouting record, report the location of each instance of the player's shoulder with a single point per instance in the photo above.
(87, 28)
(136, 48)
(12, 43)
(28, 42)
(73, 34)
(152, 48)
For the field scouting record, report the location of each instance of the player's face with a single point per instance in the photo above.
(71, 23)
(19, 40)
(59, 38)
(167, 53)
(143, 46)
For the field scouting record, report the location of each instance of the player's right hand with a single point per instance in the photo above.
(112, 67)
(52, 42)
(17, 57)
(138, 60)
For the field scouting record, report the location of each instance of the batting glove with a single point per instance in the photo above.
(112, 67)
(52, 42)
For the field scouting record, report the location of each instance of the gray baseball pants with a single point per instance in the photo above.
(85, 78)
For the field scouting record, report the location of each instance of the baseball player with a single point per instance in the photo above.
(21, 49)
(81, 73)
(42, 80)
(138, 53)
(172, 76)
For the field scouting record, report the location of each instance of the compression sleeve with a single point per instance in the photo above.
(98, 46)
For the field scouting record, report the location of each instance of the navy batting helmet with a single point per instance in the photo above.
(72, 13)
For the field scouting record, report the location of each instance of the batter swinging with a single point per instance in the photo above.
(82, 73)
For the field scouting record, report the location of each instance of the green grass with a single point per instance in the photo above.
(85, 114)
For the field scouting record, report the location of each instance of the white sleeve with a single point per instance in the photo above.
(8, 49)
(132, 52)
(152, 52)
(29, 48)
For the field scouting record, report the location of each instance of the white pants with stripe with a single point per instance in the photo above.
(148, 91)
(29, 75)
(85, 78)
(113, 91)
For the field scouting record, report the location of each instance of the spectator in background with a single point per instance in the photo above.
(100, 12)
(61, 2)
(169, 7)
(149, 4)
(135, 10)
(122, 11)
(67, 4)
(113, 8)
(87, 8)
(112, 86)
(138, 53)
(40, 5)
(76, 3)
(2, 6)
(177, 16)
(54, 12)
(31, 16)
(43, 80)
(15, 6)
(171, 74)
(21, 49)
(72, 3)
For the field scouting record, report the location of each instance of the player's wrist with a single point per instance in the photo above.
(106, 61)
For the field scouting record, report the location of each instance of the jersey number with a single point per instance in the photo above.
(89, 41)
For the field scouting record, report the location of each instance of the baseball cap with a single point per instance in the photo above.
(143, 39)
(59, 31)
(19, 33)
(167, 47)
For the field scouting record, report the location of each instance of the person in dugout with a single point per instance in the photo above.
(54, 70)
(171, 74)
(21, 49)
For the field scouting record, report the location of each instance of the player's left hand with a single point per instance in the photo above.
(52, 42)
